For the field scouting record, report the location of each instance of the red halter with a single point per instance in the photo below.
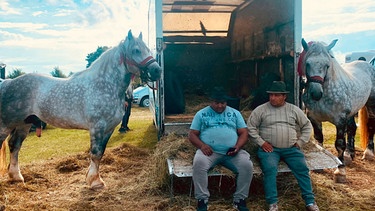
(143, 64)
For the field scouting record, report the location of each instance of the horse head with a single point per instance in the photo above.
(317, 63)
(139, 60)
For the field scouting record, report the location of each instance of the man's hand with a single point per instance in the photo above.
(206, 150)
(267, 147)
(232, 151)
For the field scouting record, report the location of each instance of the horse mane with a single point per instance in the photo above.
(111, 57)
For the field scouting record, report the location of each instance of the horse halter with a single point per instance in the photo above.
(143, 65)
(315, 79)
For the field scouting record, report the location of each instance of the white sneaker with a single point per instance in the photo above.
(273, 207)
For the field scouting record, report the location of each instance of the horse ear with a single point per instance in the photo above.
(130, 35)
(140, 36)
(332, 44)
(305, 45)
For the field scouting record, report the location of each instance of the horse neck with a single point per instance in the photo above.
(110, 68)
(337, 72)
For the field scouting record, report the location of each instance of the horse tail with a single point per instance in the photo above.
(363, 130)
(3, 160)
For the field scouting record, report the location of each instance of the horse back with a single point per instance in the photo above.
(81, 103)
(364, 73)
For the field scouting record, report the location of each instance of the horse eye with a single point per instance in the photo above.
(307, 67)
(136, 51)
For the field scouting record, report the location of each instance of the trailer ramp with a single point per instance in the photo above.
(317, 158)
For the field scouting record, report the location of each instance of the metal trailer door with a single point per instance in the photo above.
(297, 47)
(157, 104)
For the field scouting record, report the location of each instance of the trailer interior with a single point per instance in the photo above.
(242, 45)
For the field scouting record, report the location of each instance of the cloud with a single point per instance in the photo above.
(5, 9)
(335, 17)
(37, 13)
(61, 33)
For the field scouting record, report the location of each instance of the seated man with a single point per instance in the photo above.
(219, 132)
(280, 128)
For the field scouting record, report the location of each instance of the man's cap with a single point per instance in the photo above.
(218, 94)
(278, 87)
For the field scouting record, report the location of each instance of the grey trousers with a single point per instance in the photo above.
(240, 165)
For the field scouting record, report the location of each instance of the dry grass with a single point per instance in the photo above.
(134, 170)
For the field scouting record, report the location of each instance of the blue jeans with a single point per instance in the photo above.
(295, 159)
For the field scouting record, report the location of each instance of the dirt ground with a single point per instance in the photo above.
(60, 185)
(129, 173)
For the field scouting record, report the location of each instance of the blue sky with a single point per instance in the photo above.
(38, 35)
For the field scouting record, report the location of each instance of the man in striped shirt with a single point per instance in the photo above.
(280, 129)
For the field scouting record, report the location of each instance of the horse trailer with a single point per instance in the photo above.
(242, 45)
(234, 43)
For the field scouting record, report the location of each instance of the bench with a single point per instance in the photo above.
(317, 158)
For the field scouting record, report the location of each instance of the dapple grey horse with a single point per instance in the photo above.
(335, 94)
(92, 100)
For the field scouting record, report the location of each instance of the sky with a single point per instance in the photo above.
(39, 35)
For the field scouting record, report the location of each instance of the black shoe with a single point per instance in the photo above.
(127, 129)
(240, 205)
(202, 205)
(122, 130)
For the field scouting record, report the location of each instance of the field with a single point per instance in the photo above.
(134, 170)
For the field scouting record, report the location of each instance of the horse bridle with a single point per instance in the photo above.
(143, 65)
(315, 79)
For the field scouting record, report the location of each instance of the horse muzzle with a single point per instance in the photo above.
(315, 90)
(153, 72)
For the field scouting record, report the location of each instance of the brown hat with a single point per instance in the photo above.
(278, 87)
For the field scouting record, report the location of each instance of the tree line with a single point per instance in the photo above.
(57, 72)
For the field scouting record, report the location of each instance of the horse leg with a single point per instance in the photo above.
(350, 147)
(98, 144)
(318, 130)
(17, 136)
(340, 145)
(369, 152)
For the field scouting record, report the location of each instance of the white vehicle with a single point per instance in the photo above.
(141, 96)
(354, 56)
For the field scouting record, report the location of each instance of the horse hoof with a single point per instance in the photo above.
(368, 155)
(347, 158)
(97, 184)
(16, 180)
(340, 175)
(15, 177)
